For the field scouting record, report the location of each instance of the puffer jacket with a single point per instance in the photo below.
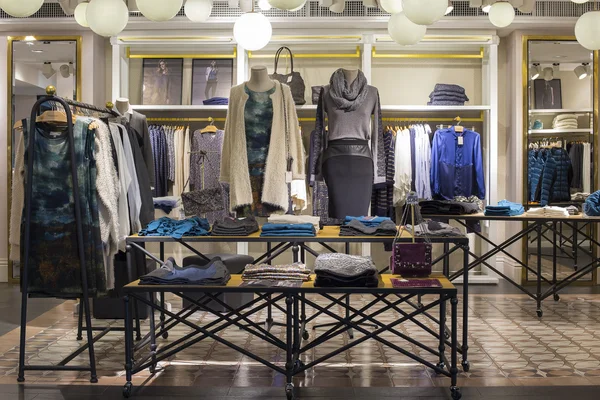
(556, 177)
(592, 204)
(536, 162)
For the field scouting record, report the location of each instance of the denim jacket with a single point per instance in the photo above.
(457, 170)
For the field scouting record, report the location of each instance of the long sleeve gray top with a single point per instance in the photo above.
(355, 124)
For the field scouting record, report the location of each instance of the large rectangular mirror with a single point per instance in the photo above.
(36, 62)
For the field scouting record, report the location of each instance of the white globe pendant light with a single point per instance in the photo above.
(80, 14)
(502, 14)
(264, 5)
(107, 17)
(21, 8)
(425, 12)
(287, 4)
(405, 32)
(580, 1)
(252, 31)
(587, 30)
(159, 10)
(391, 6)
(198, 10)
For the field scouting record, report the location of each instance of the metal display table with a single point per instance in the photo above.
(540, 227)
(299, 247)
(386, 296)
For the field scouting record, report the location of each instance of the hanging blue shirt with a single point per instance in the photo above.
(457, 169)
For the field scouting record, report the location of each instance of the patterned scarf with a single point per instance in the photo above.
(348, 98)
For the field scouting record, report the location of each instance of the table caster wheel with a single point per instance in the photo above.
(94, 379)
(127, 389)
(289, 391)
(466, 366)
(540, 313)
(21, 379)
(456, 394)
(165, 335)
(79, 337)
(305, 335)
(556, 297)
(441, 366)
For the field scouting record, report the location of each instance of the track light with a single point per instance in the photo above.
(48, 71)
(548, 74)
(582, 71)
(535, 71)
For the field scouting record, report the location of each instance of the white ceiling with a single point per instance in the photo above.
(547, 52)
(55, 52)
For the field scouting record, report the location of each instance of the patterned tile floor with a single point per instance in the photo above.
(509, 346)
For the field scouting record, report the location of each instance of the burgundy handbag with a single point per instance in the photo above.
(411, 260)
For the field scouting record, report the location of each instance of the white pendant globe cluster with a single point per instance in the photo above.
(198, 10)
(289, 5)
(159, 10)
(408, 24)
(252, 31)
(21, 8)
(80, 15)
(107, 17)
(587, 30)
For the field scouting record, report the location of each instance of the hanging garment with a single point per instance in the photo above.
(382, 197)
(205, 168)
(576, 157)
(320, 194)
(457, 168)
(147, 205)
(549, 175)
(139, 124)
(403, 171)
(587, 165)
(170, 134)
(422, 172)
(161, 160)
(124, 183)
(134, 196)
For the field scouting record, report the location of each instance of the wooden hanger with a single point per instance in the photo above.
(458, 128)
(53, 116)
(210, 128)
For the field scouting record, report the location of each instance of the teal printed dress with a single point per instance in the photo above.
(258, 116)
(54, 267)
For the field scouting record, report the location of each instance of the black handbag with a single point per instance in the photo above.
(293, 79)
(198, 202)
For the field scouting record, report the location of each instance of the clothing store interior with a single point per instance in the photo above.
(300, 199)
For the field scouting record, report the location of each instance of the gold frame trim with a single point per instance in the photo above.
(9, 93)
(127, 39)
(456, 56)
(187, 56)
(356, 54)
(444, 38)
(525, 128)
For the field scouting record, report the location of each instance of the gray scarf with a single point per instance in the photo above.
(348, 98)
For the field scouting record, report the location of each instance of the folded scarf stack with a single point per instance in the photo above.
(215, 273)
(371, 222)
(295, 219)
(296, 230)
(166, 204)
(505, 208)
(235, 226)
(165, 226)
(216, 101)
(447, 95)
(434, 229)
(548, 212)
(443, 207)
(342, 270)
(579, 196)
(291, 272)
(357, 228)
(565, 121)
(572, 210)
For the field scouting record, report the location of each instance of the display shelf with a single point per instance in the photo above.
(310, 107)
(558, 131)
(561, 111)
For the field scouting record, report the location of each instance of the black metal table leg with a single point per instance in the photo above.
(575, 247)
(442, 339)
(153, 346)
(295, 251)
(455, 390)
(80, 321)
(538, 296)
(289, 364)
(162, 296)
(555, 261)
(127, 389)
(465, 344)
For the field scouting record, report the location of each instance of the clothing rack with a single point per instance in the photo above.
(85, 298)
(209, 119)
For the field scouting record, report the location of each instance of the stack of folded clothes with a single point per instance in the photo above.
(165, 226)
(235, 226)
(447, 95)
(357, 228)
(295, 219)
(291, 272)
(434, 229)
(297, 230)
(565, 121)
(447, 207)
(371, 222)
(505, 208)
(342, 270)
(216, 101)
(548, 212)
(215, 273)
(166, 204)
(573, 210)
(579, 196)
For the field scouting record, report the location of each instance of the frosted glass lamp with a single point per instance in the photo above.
(425, 12)
(198, 10)
(159, 10)
(391, 6)
(587, 30)
(252, 31)
(502, 14)
(107, 17)
(21, 8)
(580, 1)
(80, 12)
(287, 4)
(405, 32)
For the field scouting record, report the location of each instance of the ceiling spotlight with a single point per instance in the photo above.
(65, 71)
(450, 7)
(48, 71)
(535, 71)
(548, 74)
(556, 68)
(582, 71)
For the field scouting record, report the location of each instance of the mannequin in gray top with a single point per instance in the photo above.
(351, 157)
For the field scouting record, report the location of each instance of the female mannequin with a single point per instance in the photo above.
(123, 105)
(350, 75)
(259, 79)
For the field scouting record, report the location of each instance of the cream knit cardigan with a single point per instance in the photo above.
(234, 159)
